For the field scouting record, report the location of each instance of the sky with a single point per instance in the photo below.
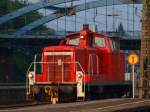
(100, 18)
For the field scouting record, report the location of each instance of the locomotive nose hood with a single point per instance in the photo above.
(59, 65)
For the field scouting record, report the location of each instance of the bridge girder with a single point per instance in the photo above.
(78, 8)
(31, 8)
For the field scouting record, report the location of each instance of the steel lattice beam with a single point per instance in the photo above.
(31, 8)
(78, 8)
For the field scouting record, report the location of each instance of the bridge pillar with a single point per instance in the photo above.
(144, 90)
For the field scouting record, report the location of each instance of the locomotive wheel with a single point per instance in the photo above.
(67, 93)
(51, 94)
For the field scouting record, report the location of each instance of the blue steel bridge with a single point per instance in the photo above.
(130, 37)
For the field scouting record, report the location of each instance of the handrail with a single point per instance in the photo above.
(34, 63)
(27, 80)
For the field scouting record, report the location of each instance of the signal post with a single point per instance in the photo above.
(133, 59)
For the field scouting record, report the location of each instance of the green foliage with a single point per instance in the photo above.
(120, 28)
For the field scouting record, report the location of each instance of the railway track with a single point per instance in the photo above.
(109, 105)
(32, 103)
(24, 104)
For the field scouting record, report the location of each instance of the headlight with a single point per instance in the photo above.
(79, 75)
(30, 75)
(82, 37)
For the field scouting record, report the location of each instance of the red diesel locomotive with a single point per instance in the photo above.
(85, 65)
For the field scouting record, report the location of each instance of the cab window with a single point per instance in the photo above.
(113, 45)
(74, 41)
(97, 41)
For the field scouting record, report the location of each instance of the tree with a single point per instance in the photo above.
(120, 29)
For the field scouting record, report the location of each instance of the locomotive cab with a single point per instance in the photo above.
(83, 63)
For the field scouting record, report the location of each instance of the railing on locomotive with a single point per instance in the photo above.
(32, 68)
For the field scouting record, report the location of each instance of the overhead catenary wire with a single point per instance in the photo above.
(57, 24)
(94, 16)
(85, 13)
(65, 16)
(75, 17)
(106, 16)
(113, 16)
(75, 22)
(120, 18)
(86, 16)
(82, 18)
(133, 2)
(106, 24)
(90, 20)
